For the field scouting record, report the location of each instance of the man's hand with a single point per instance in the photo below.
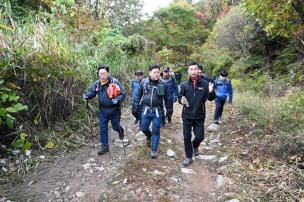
(184, 101)
(211, 87)
(114, 101)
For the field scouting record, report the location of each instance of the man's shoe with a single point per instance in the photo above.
(103, 149)
(216, 122)
(169, 119)
(187, 162)
(195, 151)
(153, 155)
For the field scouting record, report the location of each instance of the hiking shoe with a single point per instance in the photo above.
(216, 122)
(187, 162)
(103, 149)
(153, 155)
(195, 151)
(220, 121)
(169, 120)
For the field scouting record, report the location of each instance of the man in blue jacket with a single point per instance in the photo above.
(173, 93)
(135, 87)
(109, 108)
(223, 88)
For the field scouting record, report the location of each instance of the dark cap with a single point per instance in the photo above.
(224, 73)
(166, 69)
(139, 73)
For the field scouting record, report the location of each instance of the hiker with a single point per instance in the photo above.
(202, 75)
(193, 95)
(223, 88)
(153, 92)
(110, 95)
(173, 93)
(178, 77)
(135, 86)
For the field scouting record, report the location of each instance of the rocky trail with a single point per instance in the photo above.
(82, 175)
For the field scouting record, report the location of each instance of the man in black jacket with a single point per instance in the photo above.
(193, 95)
(152, 93)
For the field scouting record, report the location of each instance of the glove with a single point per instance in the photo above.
(114, 101)
(85, 96)
(175, 99)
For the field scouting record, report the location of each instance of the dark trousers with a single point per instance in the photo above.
(104, 117)
(198, 130)
(219, 106)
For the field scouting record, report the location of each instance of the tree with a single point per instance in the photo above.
(277, 17)
(236, 32)
(177, 28)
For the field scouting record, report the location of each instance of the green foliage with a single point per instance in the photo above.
(9, 105)
(22, 142)
(277, 18)
(245, 65)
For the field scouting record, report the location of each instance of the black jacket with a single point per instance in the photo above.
(196, 98)
(147, 94)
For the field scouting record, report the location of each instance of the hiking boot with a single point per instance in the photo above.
(121, 134)
(169, 119)
(153, 155)
(195, 151)
(103, 149)
(187, 162)
(220, 121)
(216, 122)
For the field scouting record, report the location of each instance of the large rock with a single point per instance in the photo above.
(213, 127)
(171, 153)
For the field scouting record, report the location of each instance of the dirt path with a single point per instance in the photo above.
(84, 176)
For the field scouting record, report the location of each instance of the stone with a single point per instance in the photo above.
(100, 168)
(207, 157)
(57, 194)
(213, 127)
(125, 181)
(42, 157)
(187, 170)
(138, 191)
(214, 142)
(229, 195)
(67, 189)
(79, 194)
(233, 200)
(171, 153)
(169, 141)
(221, 180)
(86, 165)
(223, 159)
(157, 172)
(4, 169)
(91, 160)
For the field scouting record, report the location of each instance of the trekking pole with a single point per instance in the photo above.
(88, 106)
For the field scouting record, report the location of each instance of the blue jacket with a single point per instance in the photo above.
(223, 88)
(172, 87)
(101, 90)
(135, 87)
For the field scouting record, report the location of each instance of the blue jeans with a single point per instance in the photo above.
(104, 116)
(146, 120)
(219, 106)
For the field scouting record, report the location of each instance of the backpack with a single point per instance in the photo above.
(113, 90)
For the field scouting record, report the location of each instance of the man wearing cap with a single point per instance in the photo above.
(135, 86)
(173, 92)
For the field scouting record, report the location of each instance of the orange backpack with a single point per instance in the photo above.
(113, 90)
